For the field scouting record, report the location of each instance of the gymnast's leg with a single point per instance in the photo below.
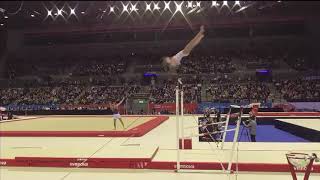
(122, 123)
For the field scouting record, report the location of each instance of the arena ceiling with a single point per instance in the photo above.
(44, 14)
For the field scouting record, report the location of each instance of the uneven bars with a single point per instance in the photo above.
(177, 128)
(182, 119)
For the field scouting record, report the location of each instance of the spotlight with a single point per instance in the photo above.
(125, 8)
(198, 4)
(148, 7)
(59, 12)
(156, 6)
(6, 17)
(189, 5)
(1, 24)
(82, 12)
(32, 15)
(178, 7)
(166, 6)
(72, 12)
(111, 9)
(225, 3)
(49, 13)
(214, 3)
(237, 3)
(133, 8)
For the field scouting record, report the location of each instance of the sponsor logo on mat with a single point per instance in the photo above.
(79, 164)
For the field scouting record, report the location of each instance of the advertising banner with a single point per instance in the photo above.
(222, 106)
(306, 106)
(171, 108)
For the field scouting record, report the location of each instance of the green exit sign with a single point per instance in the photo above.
(140, 101)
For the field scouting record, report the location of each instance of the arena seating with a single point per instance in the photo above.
(99, 79)
(299, 89)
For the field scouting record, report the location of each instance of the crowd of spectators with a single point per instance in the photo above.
(197, 63)
(165, 93)
(10, 95)
(84, 66)
(82, 94)
(66, 95)
(256, 62)
(206, 64)
(100, 68)
(299, 89)
(104, 94)
(100, 74)
(252, 92)
(115, 65)
(300, 63)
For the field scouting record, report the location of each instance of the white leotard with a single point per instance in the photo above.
(176, 59)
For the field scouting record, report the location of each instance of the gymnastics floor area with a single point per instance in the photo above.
(70, 155)
(79, 126)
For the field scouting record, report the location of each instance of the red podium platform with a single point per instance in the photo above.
(187, 144)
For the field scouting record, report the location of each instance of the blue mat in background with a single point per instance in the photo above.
(265, 133)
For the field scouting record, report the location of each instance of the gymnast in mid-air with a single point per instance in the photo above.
(171, 63)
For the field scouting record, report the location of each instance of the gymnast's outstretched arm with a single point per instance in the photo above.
(120, 101)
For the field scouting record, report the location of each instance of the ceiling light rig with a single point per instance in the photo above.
(140, 8)
(156, 6)
(178, 9)
(237, 3)
(189, 4)
(214, 4)
(134, 8)
(49, 13)
(198, 4)
(111, 10)
(166, 7)
(225, 3)
(148, 7)
(73, 11)
(195, 8)
(124, 8)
